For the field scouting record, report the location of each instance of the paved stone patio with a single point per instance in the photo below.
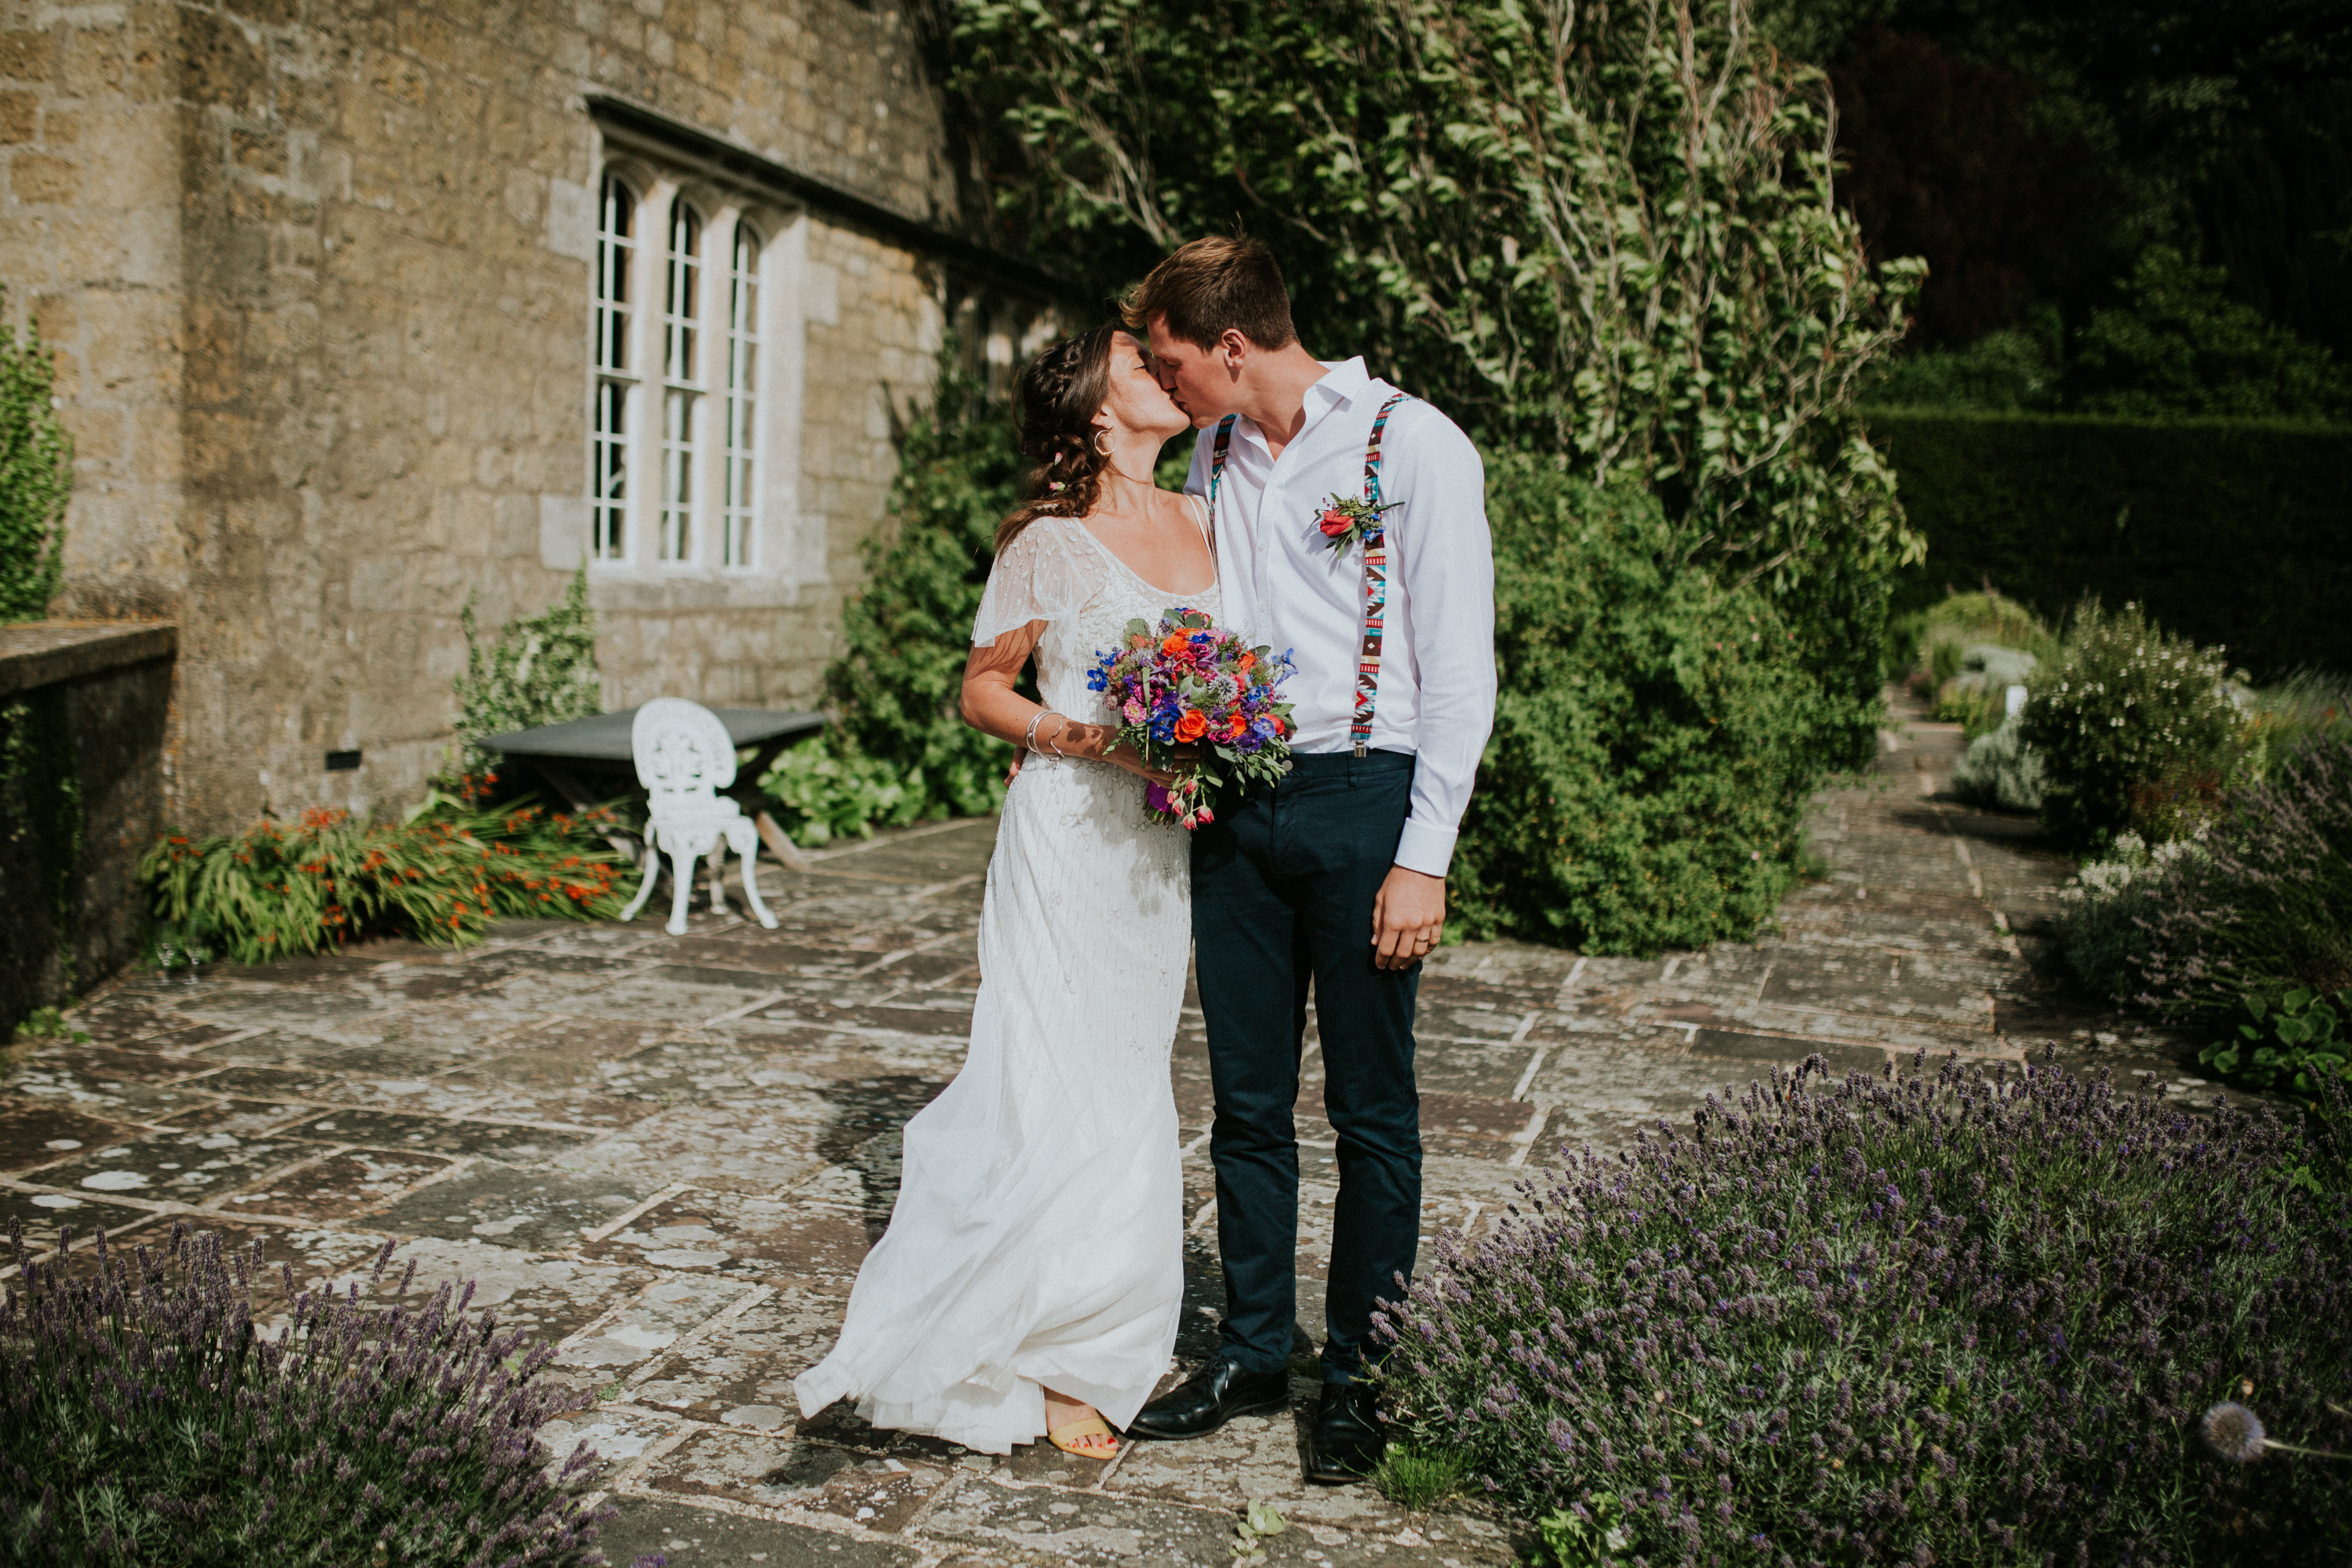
(670, 1153)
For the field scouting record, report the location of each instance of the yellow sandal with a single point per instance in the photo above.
(1087, 1426)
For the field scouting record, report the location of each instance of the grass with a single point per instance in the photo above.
(1418, 1479)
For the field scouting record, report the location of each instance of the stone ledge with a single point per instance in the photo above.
(43, 653)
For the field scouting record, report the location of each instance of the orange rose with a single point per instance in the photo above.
(1176, 646)
(1246, 661)
(1235, 727)
(1193, 726)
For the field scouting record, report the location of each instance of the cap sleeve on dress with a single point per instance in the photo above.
(1039, 577)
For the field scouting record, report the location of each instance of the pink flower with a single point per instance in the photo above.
(1134, 710)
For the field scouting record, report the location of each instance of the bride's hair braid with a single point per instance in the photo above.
(1057, 400)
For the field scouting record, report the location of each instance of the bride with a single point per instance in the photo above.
(1032, 1275)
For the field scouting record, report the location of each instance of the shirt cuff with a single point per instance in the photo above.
(1425, 848)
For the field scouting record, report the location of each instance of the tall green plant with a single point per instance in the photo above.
(1606, 230)
(36, 477)
(540, 670)
(905, 638)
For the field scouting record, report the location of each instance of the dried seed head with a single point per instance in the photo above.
(2234, 1432)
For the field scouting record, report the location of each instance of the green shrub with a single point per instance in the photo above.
(907, 635)
(825, 789)
(540, 670)
(2104, 909)
(2296, 1043)
(2265, 908)
(2293, 713)
(275, 891)
(2000, 373)
(35, 479)
(2225, 531)
(1656, 737)
(2127, 710)
(2000, 769)
(1952, 1317)
(2178, 343)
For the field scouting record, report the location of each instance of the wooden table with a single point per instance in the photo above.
(581, 759)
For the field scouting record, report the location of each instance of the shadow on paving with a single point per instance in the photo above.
(670, 1154)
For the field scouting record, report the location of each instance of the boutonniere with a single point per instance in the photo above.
(1346, 520)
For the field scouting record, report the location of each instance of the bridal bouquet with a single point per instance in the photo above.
(1188, 682)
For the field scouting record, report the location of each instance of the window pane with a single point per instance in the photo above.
(742, 382)
(609, 472)
(615, 230)
(684, 278)
(677, 476)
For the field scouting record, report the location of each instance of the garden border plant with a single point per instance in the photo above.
(147, 1420)
(1951, 1316)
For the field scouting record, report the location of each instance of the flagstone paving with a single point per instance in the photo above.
(668, 1154)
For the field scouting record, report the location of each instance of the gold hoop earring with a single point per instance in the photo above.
(1102, 450)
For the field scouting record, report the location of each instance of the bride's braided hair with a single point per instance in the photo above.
(1057, 400)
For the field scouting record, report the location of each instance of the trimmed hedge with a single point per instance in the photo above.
(2230, 532)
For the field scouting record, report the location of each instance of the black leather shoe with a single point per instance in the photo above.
(1350, 1437)
(1208, 1399)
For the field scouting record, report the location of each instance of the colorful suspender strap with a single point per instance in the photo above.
(1376, 587)
(1217, 463)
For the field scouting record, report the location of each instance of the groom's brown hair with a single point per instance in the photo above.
(1211, 286)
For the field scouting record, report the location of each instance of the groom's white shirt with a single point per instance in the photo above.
(1285, 586)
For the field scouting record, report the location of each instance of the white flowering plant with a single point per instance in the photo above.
(2135, 727)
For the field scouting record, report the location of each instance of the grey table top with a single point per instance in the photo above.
(604, 738)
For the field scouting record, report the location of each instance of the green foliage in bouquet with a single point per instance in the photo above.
(827, 788)
(539, 670)
(35, 479)
(906, 636)
(2128, 718)
(1656, 738)
(276, 892)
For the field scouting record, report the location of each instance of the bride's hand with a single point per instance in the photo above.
(1101, 742)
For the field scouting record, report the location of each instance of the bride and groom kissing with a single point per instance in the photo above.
(1031, 1278)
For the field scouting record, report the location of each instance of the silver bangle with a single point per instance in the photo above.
(1029, 740)
(1059, 730)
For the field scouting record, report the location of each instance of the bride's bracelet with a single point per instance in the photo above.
(1060, 730)
(1029, 740)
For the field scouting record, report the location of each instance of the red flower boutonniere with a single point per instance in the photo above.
(1344, 521)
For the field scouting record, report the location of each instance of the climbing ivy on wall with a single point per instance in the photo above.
(540, 670)
(40, 801)
(36, 477)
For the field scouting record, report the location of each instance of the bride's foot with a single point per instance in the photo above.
(1076, 1427)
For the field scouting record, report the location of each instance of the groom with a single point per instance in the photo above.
(1351, 527)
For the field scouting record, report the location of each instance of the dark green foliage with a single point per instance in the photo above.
(826, 788)
(2293, 1044)
(35, 479)
(2263, 908)
(2229, 533)
(907, 635)
(539, 670)
(1950, 1318)
(2178, 344)
(1656, 737)
(148, 1420)
(41, 823)
(2127, 721)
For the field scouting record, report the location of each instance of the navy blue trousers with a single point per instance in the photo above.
(1283, 887)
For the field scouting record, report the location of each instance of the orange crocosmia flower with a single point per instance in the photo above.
(1192, 725)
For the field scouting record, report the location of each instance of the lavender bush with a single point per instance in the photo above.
(1947, 1318)
(2266, 908)
(144, 1419)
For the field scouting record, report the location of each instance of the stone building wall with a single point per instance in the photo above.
(319, 276)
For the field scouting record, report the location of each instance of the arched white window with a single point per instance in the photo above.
(682, 379)
(617, 383)
(742, 515)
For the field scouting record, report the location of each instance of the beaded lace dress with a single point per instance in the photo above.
(1037, 1239)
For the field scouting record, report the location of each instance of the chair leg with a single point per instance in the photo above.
(751, 884)
(719, 877)
(681, 872)
(653, 875)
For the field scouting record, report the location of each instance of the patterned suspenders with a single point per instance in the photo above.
(1376, 566)
(1376, 587)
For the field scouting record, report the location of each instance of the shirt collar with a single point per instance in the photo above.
(1343, 382)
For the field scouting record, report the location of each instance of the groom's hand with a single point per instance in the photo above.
(1408, 917)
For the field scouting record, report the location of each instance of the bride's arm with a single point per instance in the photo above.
(994, 708)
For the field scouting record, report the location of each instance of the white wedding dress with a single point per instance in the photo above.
(1037, 1239)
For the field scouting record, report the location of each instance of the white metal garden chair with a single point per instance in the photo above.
(684, 759)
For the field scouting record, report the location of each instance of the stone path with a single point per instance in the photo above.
(670, 1154)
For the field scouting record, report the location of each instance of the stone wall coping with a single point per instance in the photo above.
(43, 653)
